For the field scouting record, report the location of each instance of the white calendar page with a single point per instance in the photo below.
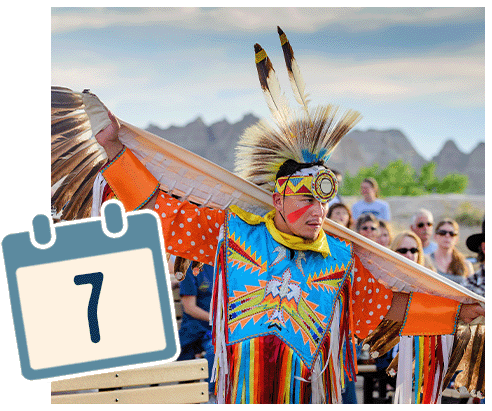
(56, 319)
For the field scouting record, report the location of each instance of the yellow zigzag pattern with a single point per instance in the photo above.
(241, 260)
(329, 279)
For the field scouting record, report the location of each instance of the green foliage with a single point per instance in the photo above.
(468, 215)
(400, 179)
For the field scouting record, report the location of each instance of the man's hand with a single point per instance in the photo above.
(469, 312)
(108, 137)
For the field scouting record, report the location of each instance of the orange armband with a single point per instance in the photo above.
(131, 182)
(430, 315)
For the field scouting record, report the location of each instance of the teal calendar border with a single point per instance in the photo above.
(20, 252)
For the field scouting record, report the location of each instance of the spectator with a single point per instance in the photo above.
(385, 233)
(370, 203)
(195, 333)
(408, 244)
(337, 198)
(476, 243)
(340, 213)
(422, 224)
(368, 226)
(448, 261)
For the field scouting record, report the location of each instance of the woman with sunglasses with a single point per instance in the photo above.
(408, 244)
(448, 261)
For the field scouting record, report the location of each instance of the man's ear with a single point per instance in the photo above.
(278, 201)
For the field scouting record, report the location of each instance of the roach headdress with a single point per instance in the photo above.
(307, 136)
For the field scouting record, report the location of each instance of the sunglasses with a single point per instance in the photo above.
(444, 232)
(421, 225)
(367, 228)
(413, 250)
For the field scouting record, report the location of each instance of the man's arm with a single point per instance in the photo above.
(108, 139)
(190, 308)
(468, 312)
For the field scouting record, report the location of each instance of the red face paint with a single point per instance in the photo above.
(295, 215)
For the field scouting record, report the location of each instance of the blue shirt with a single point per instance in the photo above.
(201, 286)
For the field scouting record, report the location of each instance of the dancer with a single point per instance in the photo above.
(286, 295)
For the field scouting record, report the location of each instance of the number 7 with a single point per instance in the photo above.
(96, 280)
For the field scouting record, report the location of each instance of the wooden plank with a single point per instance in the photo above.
(191, 393)
(176, 371)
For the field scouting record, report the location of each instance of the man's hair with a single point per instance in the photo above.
(364, 218)
(290, 167)
(421, 211)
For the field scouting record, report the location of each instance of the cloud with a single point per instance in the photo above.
(306, 20)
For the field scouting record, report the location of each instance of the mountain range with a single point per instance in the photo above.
(357, 149)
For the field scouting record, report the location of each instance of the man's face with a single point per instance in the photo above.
(304, 215)
(424, 228)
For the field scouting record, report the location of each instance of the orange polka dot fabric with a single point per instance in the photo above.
(190, 231)
(370, 300)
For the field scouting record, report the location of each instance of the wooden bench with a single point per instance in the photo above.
(182, 382)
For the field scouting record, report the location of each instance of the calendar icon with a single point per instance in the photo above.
(90, 294)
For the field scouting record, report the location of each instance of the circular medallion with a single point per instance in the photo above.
(324, 186)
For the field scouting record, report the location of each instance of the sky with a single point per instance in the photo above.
(418, 70)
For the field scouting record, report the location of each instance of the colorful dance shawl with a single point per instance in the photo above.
(278, 317)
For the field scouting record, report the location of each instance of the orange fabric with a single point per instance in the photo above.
(430, 315)
(189, 231)
(370, 300)
(131, 182)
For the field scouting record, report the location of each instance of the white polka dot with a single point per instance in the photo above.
(163, 215)
(386, 297)
(180, 241)
(198, 212)
(162, 195)
(211, 246)
(170, 247)
(156, 206)
(203, 237)
(377, 290)
(381, 317)
(357, 292)
(365, 287)
(353, 301)
(370, 301)
(173, 233)
(178, 204)
(181, 225)
(192, 243)
(371, 312)
(169, 204)
(209, 230)
(379, 306)
(188, 233)
(175, 211)
(210, 263)
(368, 321)
(217, 225)
(188, 219)
(370, 331)
(209, 218)
(182, 211)
(199, 225)
(201, 251)
(357, 332)
(369, 291)
(195, 258)
(388, 307)
(358, 279)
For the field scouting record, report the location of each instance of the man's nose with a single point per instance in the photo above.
(317, 209)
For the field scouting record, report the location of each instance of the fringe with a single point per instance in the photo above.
(266, 370)
(431, 362)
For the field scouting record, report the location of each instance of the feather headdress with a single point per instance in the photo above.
(306, 137)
